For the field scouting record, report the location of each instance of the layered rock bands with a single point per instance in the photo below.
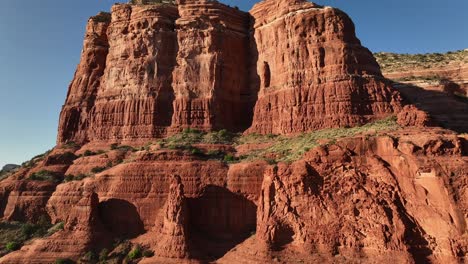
(286, 67)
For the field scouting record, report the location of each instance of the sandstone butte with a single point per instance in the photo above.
(282, 76)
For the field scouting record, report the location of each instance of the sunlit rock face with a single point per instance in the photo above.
(285, 67)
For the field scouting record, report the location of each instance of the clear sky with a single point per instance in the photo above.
(41, 41)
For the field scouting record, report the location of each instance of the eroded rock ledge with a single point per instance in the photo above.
(285, 67)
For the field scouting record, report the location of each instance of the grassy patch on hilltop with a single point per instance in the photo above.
(289, 149)
(390, 62)
(189, 137)
(277, 148)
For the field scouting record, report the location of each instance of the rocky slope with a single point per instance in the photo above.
(431, 81)
(141, 173)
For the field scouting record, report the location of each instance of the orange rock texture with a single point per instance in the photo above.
(311, 70)
(285, 67)
(436, 83)
(150, 71)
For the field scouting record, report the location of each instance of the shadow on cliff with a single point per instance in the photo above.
(448, 108)
(166, 95)
(219, 220)
(414, 236)
(121, 218)
(250, 96)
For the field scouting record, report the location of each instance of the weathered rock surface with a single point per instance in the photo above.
(401, 197)
(435, 83)
(211, 78)
(82, 232)
(412, 116)
(75, 116)
(289, 66)
(173, 232)
(151, 70)
(312, 71)
(378, 200)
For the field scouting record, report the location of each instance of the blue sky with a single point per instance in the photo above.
(41, 41)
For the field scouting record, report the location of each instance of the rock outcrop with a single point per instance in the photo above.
(312, 71)
(172, 235)
(435, 83)
(373, 194)
(82, 232)
(379, 200)
(410, 115)
(151, 70)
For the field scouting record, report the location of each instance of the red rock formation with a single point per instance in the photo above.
(173, 235)
(82, 232)
(377, 200)
(156, 69)
(24, 200)
(135, 97)
(153, 70)
(75, 115)
(412, 116)
(312, 71)
(211, 77)
(430, 81)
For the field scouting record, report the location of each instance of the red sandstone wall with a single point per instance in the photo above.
(157, 69)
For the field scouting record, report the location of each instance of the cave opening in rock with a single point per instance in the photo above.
(121, 218)
(266, 74)
(283, 236)
(219, 220)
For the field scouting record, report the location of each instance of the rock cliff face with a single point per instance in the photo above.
(377, 193)
(150, 70)
(312, 71)
(430, 81)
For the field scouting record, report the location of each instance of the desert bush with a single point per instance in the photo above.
(64, 261)
(98, 169)
(135, 253)
(148, 253)
(89, 153)
(229, 158)
(90, 257)
(12, 246)
(103, 254)
(45, 175)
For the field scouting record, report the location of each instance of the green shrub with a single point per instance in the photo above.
(135, 253)
(102, 17)
(148, 253)
(12, 246)
(103, 254)
(98, 169)
(229, 158)
(71, 177)
(45, 175)
(116, 146)
(90, 257)
(28, 229)
(64, 261)
(216, 154)
(89, 153)
(196, 151)
(57, 227)
(70, 144)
